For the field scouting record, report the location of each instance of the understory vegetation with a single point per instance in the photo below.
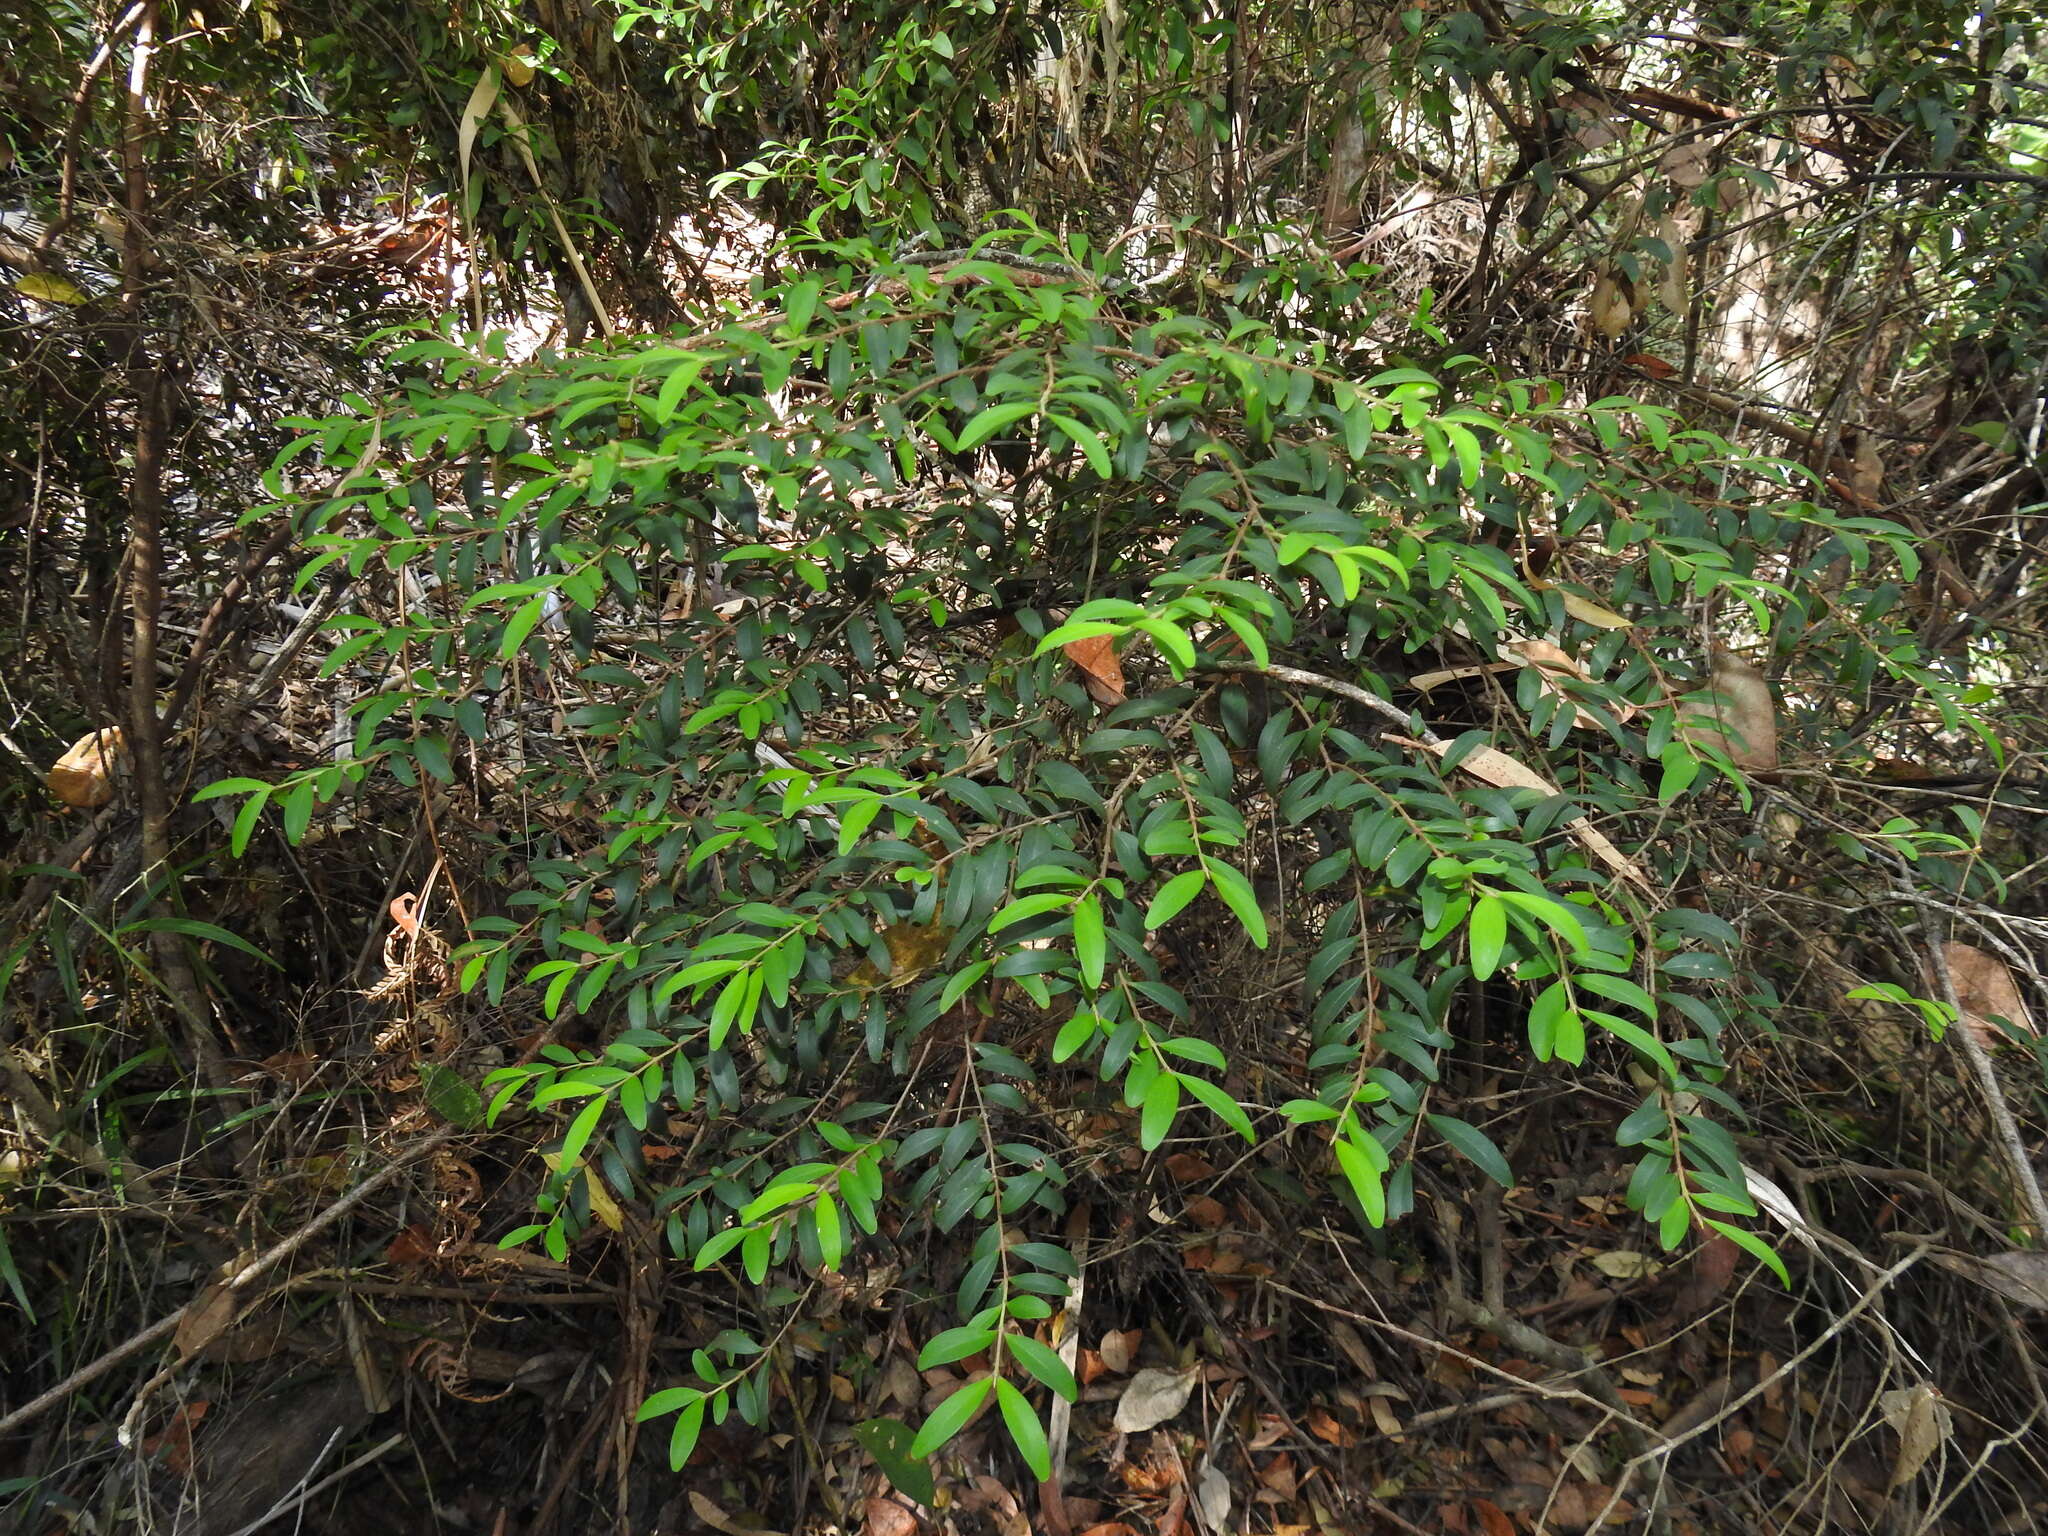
(1102, 765)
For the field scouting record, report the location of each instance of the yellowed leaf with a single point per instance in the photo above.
(1672, 291)
(602, 1205)
(1586, 611)
(50, 288)
(518, 68)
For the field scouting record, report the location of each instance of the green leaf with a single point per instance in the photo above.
(992, 420)
(580, 1130)
(1162, 1103)
(1091, 948)
(951, 1416)
(831, 1231)
(221, 787)
(1074, 1034)
(193, 928)
(958, 984)
(1475, 1146)
(1237, 895)
(1364, 1180)
(718, 1245)
(245, 823)
(1085, 439)
(667, 1401)
(1754, 1246)
(1025, 1429)
(954, 1344)
(1221, 1105)
(802, 303)
(450, 1095)
(1636, 1036)
(1043, 1362)
(1173, 896)
(1486, 932)
(889, 1442)
(689, 1424)
(520, 625)
(1034, 905)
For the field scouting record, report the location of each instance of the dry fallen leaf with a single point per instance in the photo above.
(1212, 1497)
(175, 1440)
(719, 1520)
(1866, 471)
(1120, 1349)
(1922, 1421)
(1613, 304)
(1986, 990)
(1737, 716)
(2017, 1275)
(204, 1320)
(1153, 1397)
(1101, 673)
(83, 778)
(1329, 1430)
(1624, 1264)
(1685, 165)
(1348, 1339)
(1503, 772)
(885, 1517)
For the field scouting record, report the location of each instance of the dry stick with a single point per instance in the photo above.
(1338, 686)
(2002, 1122)
(74, 133)
(254, 1270)
(146, 506)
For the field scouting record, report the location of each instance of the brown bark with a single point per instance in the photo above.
(146, 501)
